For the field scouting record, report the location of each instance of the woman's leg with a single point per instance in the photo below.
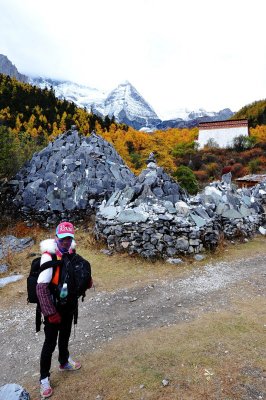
(63, 339)
(51, 332)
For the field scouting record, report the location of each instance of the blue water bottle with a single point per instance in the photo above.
(63, 293)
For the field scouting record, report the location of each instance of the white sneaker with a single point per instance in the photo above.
(45, 388)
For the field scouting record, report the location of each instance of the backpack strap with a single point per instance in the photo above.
(49, 264)
(38, 318)
(76, 314)
(56, 271)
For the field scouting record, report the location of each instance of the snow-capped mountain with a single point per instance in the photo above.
(187, 119)
(129, 107)
(124, 103)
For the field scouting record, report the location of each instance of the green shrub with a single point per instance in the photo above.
(187, 179)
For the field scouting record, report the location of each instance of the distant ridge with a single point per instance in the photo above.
(7, 68)
(124, 103)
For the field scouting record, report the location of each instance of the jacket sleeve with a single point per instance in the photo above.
(43, 290)
(45, 299)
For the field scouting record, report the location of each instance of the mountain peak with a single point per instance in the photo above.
(126, 105)
(125, 83)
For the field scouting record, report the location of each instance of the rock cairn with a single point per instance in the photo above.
(240, 211)
(155, 179)
(152, 218)
(68, 178)
(142, 219)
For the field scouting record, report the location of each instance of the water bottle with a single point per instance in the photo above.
(64, 292)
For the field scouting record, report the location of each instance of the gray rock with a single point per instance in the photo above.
(200, 222)
(134, 215)
(174, 260)
(199, 257)
(12, 391)
(3, 268)
(10, 243)
(9, 279)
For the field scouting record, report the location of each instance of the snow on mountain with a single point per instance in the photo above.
(124, 103)
(185, 114)
(128, 106)
(83, 96)
(189, 119)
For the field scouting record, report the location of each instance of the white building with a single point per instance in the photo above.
(222, 132)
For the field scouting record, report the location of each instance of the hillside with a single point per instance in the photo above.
(254, 112)
(27, 108)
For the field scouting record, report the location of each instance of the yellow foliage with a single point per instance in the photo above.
(259, 133)
(98, 128)
(129, 143)
(81, 121)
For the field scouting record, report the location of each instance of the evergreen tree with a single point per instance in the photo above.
(187, 179)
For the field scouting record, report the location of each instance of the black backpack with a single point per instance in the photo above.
(35, 271)
(76, 272)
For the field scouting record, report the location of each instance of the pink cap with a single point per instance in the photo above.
(65, 229)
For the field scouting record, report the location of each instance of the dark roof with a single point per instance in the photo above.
(253, 178)
(232, 123)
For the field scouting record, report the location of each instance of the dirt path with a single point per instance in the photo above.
(104, 316)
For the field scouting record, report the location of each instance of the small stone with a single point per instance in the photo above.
(199, 257)
(165, 382)
(174, 260)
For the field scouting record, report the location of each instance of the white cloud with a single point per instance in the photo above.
(177, 53)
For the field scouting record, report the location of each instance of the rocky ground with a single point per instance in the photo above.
(104, 316)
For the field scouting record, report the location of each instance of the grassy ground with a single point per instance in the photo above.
(217, 356)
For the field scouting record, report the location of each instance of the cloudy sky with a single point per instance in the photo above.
(191, 54)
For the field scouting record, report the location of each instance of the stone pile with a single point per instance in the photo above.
(12, 244)
(239, 212)
(137, 221)
(160, 183)
(69, 178)
(148, 220)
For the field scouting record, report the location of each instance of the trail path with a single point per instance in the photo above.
(105, 316)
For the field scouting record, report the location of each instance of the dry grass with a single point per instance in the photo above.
(218, 356)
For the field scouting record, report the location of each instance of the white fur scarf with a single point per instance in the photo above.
(50, 246)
